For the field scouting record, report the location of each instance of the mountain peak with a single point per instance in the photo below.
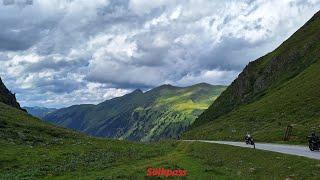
(137, 91)
(315, 17)
(166, 86)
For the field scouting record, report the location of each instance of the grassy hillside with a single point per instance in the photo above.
(33, 149)
(163, 112)
(279, 89)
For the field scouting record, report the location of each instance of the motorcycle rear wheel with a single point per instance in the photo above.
(311, 147)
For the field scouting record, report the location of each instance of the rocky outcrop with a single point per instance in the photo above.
(7, 97)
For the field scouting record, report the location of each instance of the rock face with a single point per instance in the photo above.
(7, 97)
(270, 71)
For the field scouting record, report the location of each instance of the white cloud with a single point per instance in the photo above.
(80, 51)
(113, 92)
(145, 6)
(216, 76)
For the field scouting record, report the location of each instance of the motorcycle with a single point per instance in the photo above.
(249, 140)
(314, 143)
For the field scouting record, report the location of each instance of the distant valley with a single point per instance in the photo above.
(163, 112)
(39, 112)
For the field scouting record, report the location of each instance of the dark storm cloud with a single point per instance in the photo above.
(55, 65)
(223, 55)
(10, 43)
(14, 39)
(57, 85)
(21, 28)
(85, 51)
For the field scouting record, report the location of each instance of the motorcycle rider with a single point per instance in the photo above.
(314, 142)
(249, 140)
(248, 136)
(314, 137)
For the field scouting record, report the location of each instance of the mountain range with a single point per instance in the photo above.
(278, 90)
(39, 112)
(163, 112)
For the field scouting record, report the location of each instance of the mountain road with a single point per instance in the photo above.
(280, 148)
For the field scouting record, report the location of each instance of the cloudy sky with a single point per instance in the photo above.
(56, 53)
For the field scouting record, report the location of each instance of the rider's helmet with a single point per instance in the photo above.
(248, 134)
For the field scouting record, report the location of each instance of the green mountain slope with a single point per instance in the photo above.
(277, 90)
(33, 149)
(163, 112)
(39, 112)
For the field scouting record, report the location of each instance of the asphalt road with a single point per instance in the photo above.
(280, 148)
